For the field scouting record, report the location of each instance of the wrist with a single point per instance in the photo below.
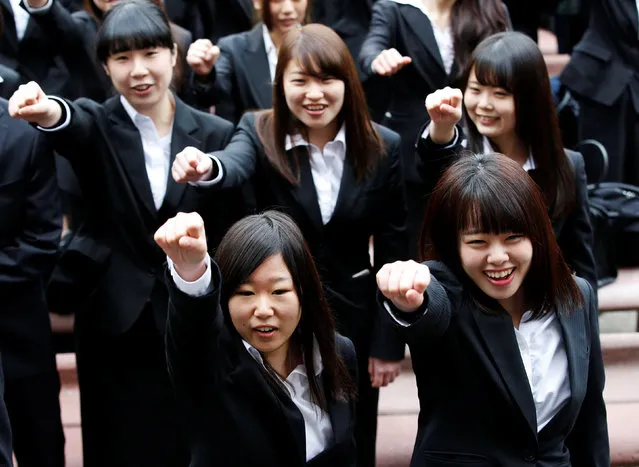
(441, 133)
(53, 115)
(37, 3)
(190, 272)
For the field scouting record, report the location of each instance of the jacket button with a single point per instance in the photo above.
(388, 115)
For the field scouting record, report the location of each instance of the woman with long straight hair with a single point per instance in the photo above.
(237, 74)
(509, 108)
(317, 156)
(262, 376)
(121, 152)
(504, 339)
(414, 47)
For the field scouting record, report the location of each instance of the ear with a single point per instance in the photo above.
(106, 69)
(174, 55)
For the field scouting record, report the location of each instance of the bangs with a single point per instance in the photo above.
(492, 69)
(319, 58)
(133, 25)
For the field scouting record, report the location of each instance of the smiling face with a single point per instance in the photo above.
(498, 264)
(491, 109)
(142, 76)
(314, 101)
(286, 14)
(266, 310)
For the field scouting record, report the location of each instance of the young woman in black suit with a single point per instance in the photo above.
(509, 108)
(504, 339)
(414, 47)
(244, 332)
(121, 152)
(237, 75)
(318, 156)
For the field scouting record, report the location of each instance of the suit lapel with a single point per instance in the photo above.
(258, 67)
(499, 336)
(573, 328)
(304, 192)
(340, 414)
(128, 149)
(421, 26)
(185, 133)
(349, 190)
(10, 36)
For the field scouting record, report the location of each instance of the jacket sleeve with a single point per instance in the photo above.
(588, 441)
(5, 429)
(380, 36)
(576, 237)
(390, 242)
(433, 159)
(33, 251)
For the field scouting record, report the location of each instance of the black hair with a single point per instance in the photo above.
(133, 25)
(250, 242)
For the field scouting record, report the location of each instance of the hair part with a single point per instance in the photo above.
(320, 52)
(491, 193)
(133, 25)
(259, 237)
(512, 61)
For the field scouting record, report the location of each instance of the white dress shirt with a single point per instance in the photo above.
(271, 51)
(443, 37)
(327, 168)
(20, 17)
(317, 423)
(157, 152)
(543, 353)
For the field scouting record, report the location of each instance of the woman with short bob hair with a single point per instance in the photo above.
(508, 107)
(243, 334)
(317, 156)
(504, 339)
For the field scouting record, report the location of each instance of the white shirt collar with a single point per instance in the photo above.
(271, 51)
(317, 357)
(297, 139)
(528, 165)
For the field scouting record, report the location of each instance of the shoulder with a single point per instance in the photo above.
(234, 41)
(346, 350)
(576, 158)
(209, 120)
(389, 136)
(385, 6)
(85, 19)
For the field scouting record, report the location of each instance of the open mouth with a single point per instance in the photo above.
(315, 109)
(265, 331)
(142, 88)
(486, 120)
(502, 277)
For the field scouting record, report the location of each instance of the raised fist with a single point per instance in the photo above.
(389, 62)
(404, 284)
(183, 239)
(445, 106)
(30, 103)
(201, 56)
(191, 165)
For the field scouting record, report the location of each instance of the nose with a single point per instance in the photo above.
(497, 254)
(263, 308)
(314, 91)
(484, 100)
(287, 7)
(139, 67)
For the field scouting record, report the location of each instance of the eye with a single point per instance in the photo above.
(327, 79)
(298, 81)
(473, 89)
(244, 293)
(151, 53)
(120, 58)
(515, 237)
(501, 93)
(281, 291)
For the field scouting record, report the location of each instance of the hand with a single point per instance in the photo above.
(191, 165)
(30, 103)
(201, 56)
(183, 239)
(404, 284)
(389, 62)
(383, 372)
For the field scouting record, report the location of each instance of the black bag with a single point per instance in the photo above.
(614, 215)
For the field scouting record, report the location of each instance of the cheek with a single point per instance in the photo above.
(240, 316)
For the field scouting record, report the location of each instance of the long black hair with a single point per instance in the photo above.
(254, 239)
(512, 61)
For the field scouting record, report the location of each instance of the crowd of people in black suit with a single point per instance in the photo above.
(392, 130)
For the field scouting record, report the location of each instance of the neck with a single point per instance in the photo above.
(515, 306)
(276, 37)
(441, 7)
(511, 147)
(161, 113)
(320, 136)
(282, 360)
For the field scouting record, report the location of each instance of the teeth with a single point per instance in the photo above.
(315, 107)
(499, 275)
(265, 329)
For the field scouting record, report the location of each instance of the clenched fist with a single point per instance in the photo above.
(404, 284)
(191, 165)
(444, 107)
(201, 56)
(183, 239)
(30, 103)
(389, 62)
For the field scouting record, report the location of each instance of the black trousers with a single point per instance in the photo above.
(129, 413)
(33, 405)
(366, 414)
(617, 128)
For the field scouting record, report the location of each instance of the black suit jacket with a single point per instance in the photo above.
(10, 80)
(30, 225)
(6, 445)
(573, 232)
(36, 57)
(376, 206)
(476, 405)
(235, 416)
(105, 151)
(606, 61)
(241, 79)
(212, 19)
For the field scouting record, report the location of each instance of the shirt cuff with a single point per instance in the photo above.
(37, 11)
(426, 134)
(217, 179)
(66, 116)
(404, 319)
(198, 287)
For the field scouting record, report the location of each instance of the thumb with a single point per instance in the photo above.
(448, 109)
(33, 110)
(193, 231)
(406, 60)
(203, 165)
(414, 298)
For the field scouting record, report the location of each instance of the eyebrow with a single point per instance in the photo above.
(272, 280)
